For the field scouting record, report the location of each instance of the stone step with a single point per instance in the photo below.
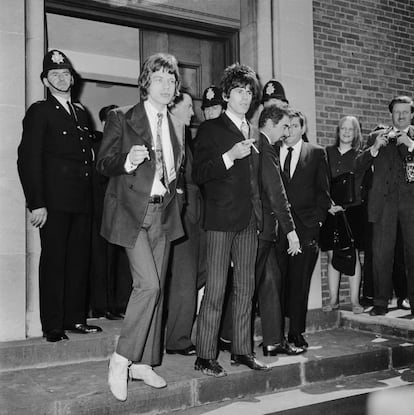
(81, 388)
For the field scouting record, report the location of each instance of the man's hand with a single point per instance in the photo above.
(294, 243)
(380, 141)
(335, 209)
(137, 154)
(38, 217)
(403, 138)
(241, 149)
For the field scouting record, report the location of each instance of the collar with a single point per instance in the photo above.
(296, 148)
(235, 119)
(267, 137)
(152, 111)
(62, 100)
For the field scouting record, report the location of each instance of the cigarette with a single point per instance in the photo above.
(255, 148)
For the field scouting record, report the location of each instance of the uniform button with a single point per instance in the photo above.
(86, 161)
(81, 138)
(83, 150)
(57, 107)
(64, 132)
(86, 174)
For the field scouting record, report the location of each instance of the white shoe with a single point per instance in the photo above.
(118, 376)
(145, 373)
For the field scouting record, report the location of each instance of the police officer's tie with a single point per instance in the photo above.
(159, 159)
(286, 166)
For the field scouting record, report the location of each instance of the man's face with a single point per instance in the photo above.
(184, 110)
(295, 132)
(239, 100)
(278, 131)
(212, 112)
(58, 80)
(162, 89)
(401, 116)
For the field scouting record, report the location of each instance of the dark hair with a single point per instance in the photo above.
(272, 112)
(238, 75)
(357, 140)
(104, 111)
(154, 63)
(402, 99)
(180, 97)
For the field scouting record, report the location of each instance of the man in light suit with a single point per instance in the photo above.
(306, 179)
(391, 199)
(225, 163)
(55, 161)
(141, 152)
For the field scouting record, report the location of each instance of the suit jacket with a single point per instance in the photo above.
(388, 173)
(127, 194)
(276, 208)
(55, 158)
(308, 189)
(229, 195)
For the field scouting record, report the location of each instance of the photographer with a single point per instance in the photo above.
(391, 199)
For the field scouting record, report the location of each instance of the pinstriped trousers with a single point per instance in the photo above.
(241, 247)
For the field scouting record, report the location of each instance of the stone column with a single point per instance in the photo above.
(12, 205)
(35, 35)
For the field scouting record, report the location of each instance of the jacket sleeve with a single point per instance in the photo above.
(272, 185)
(208, 160)
(111, 159)
(30, 156)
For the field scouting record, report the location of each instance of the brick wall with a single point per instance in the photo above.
(364, 56)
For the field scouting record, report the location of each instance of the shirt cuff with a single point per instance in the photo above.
(129, 167)
(373, 154)
(227, 162)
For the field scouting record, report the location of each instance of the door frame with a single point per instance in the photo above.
(150, 20)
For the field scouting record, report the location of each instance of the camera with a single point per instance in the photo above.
(392, 137)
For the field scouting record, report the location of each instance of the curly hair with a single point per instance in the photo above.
(238, 75)
(154, 63)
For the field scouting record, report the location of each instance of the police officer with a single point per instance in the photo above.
(213, 103)
(274, 94)
(55, 162)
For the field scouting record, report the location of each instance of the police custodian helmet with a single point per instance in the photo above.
(212, 96)
(274, 89)
(55, 59)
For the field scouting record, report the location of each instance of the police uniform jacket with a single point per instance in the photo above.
(55, 158)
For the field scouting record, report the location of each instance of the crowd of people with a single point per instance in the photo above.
(144, 214)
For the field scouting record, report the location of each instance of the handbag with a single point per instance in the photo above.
(344, 253)
(343, 189)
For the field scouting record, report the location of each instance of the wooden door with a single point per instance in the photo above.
(201, 61)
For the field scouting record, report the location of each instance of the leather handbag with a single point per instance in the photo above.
(343, 189)
(344, 253)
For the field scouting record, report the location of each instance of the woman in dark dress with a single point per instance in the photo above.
(341, 157)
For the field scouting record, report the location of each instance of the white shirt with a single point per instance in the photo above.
(63, 102)
(295, 156)
(157, 187)
(237, 122)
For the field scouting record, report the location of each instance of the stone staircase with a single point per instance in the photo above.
(70, 377)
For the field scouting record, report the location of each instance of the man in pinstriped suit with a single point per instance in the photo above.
(226, 165)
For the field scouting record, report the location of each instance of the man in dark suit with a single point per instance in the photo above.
(54, 163)
(274, 126)
(186, 267)
(306, 180)
(225, 163)
(141, 152)
(391, 199)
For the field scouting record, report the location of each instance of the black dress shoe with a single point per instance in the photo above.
(113, 316)
(188, 351)
(84, 328)
(366, 301)
(298, 340)
(224, 345)
(282, 348)
(248, 360)
(209, 367)
(54, 336)
(378, 310)
(403, 303)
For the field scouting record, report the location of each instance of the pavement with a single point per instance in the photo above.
(70, 377)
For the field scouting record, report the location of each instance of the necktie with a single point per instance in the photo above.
(244, 128)
(286, 166)
(72, 111)
(159, 159)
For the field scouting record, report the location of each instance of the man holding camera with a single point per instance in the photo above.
(391, 199)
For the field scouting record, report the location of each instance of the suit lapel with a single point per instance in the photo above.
(301, 161)
(177, 140)
(137, 119)
(232, 127)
